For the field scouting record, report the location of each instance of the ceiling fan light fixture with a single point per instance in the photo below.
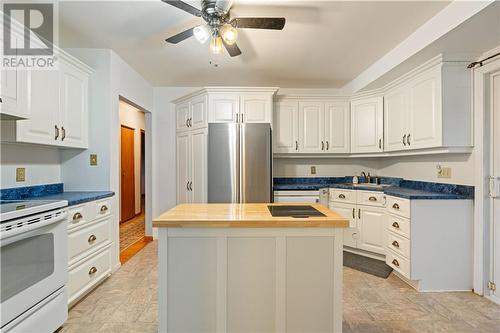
(216, 45)
(229, 34)
(202, 33)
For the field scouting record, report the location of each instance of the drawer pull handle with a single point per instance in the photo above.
(104, 209)
(354, 213)
(77, 216)
(395, 225)
(341, 196)
(395, 263)
(395, 244)
(93, 270)
(372, 198)
(92, 239)
(395, 206)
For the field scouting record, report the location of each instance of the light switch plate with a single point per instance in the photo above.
(93, 159)
(20, 174)
(444, 173)
(313, 170)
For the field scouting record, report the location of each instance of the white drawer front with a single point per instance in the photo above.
(80, 214)
(398, 225)
(345, 196)
(400, 264)
(371, 198)
(398, 244)
(398, 206)
(88, 238)
(102, 208)
(89, 272)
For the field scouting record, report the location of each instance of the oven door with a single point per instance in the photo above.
(34, 264)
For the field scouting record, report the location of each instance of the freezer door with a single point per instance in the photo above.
(256, 163)
(223, 163)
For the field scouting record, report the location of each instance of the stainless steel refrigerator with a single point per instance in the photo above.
(239, 163)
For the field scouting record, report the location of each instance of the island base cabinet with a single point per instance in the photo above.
(250, 280)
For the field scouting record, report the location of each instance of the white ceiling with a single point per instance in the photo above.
(325, 44)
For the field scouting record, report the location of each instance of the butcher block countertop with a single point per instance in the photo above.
(243, 216)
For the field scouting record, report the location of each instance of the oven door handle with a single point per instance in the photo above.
(15, 234)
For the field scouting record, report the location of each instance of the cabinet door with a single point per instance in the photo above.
(223, 108)
(372, 232)
(396, 119)
(73, 108)
(367, 125)
(337, 127)
(183, 167)
(286, 129)
(43, 107)
(199, 106)
(425, 111)
(183, 114)
(198, 161)
(311, 127)
(348, 212)
(256, 108)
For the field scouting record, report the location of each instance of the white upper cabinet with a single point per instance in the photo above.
(337, 127)
(311, 127)
(367, 125)
(395, 119)
(286, 127)
(256, 108)
(199, 112)
(183, 113)
(224, 108)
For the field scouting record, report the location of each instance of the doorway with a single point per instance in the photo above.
(132, 180)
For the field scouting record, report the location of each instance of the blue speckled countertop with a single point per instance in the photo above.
(52, 192)
(396, 187)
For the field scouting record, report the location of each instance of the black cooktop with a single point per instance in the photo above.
(294, 211)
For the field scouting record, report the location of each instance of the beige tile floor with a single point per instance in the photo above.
(127, 302)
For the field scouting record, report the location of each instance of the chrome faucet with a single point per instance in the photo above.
(368, 178)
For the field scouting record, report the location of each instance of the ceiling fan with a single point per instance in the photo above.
(220, 28)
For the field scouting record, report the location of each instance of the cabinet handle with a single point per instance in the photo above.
(77, 216)
(354, 213)
(372, 198)
(92, 239)
(327, 145)
(93, 270)
(296, 145)
(380, 143)
(187, 122)
(63, 133)
(359, 213)
(395, 244)
(341, 196)
(395, 206)
(237, 118)
(395, 263)
(56, 135)
(408, 140)
(187, 185)
(104, 209)
(190, 186)
(322, 145)
(1, 100)
(395, 225)
(404, 140)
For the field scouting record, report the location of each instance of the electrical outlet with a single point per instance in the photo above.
(93, 159)
(20, 174)
(444, 173)
(313, 170)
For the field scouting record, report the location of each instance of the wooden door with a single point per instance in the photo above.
(367, 125)
(396, 119)
(311, 127)
(371, 224)
(128, 174)
(286, 119)
(337, 127)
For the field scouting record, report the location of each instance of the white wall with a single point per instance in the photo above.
(42, 165)
(134, 118)
(325, 167)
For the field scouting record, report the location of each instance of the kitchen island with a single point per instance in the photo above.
(237, 268)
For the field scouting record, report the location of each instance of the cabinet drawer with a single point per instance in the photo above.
(398, 225)
(400, 264)
(371, 198)
(398, 206)
(88, 238)
(85, 275)
(345, 196)
(102, 208)
(80, 215)
(398, 244)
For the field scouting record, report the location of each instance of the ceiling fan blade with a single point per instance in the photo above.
(180, 36)
(224, 5)
(233, 50)
(184, 6)
(274, 23)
